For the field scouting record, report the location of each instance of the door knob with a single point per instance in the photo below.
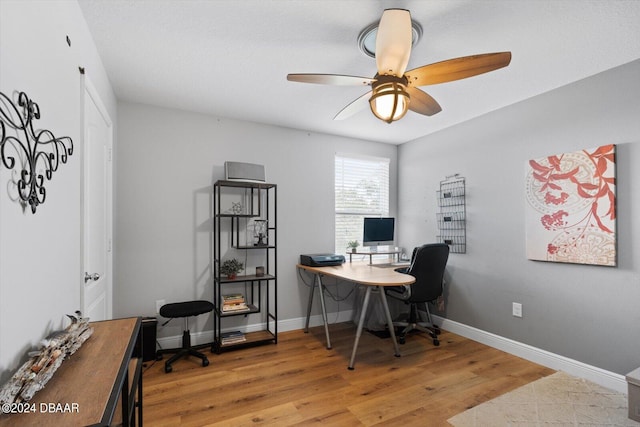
(88, 277)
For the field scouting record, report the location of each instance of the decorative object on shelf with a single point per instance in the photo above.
(236, 208)
(452, 216)
(259, 271)
(353, 245)
(34, 374)
(35, 151)
(570, 213)
(260, 232)
(240, 171)
(231, 268)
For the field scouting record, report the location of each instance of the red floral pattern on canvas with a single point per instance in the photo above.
(573, 197)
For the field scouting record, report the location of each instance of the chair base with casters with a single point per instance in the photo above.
(184, 310)
(413, 323)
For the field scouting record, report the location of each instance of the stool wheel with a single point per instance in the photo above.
(167, 368)
(205, 362)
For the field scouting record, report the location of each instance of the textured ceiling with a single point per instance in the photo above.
(230, 58)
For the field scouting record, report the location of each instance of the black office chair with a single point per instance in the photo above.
(427, 266)
(186, 310)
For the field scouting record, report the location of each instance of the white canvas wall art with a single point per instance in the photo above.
(571, 207)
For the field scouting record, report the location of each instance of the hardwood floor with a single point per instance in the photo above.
(299, 382)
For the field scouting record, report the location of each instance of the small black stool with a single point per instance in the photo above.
(186, 310)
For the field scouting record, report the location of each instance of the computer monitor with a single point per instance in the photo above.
(378, 232)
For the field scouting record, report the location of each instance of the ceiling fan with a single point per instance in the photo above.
(394, 90)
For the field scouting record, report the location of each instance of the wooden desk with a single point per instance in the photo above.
(98, 378)
(364, 274)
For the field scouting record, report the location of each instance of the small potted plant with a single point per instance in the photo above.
(231, 268)
(353, 245)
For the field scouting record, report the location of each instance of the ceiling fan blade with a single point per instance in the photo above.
(359, 104)
(457, 68)
(330, 79)
(422, 103)
(393, 42)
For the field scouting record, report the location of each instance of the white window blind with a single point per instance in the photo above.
(361, 190)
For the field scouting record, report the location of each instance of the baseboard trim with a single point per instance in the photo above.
(579, 369)
(204, 337)
(600, 376)
(299, 323)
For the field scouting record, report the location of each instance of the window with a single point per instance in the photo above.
(361, 189)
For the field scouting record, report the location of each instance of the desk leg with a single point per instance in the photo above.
(324, 310)
(317, 282)
(311, 292)
(363, 314)
(392, 331)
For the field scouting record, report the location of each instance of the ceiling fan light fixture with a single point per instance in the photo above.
(390, 42)
(389, 100)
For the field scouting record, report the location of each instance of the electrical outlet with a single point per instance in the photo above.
(517, 309)
(159, 303)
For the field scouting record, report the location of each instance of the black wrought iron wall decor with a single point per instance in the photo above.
(35, 154)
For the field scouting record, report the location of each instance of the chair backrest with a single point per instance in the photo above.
(427, 266)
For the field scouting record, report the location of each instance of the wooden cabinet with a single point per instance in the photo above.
(99, 385)
(245, 229)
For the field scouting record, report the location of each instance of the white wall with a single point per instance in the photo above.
(40, 266)
(167, 161)
(587, 313)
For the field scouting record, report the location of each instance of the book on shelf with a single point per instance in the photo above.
(234, 303)
(234, 341)
(226, 308)
(232, 334)
(233, 299)
(232, 337)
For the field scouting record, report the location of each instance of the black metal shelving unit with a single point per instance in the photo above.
(232, 234)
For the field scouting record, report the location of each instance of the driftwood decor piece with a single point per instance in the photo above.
(34, 374)
(34, 154)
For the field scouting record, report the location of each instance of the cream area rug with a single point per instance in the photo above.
(557, 400)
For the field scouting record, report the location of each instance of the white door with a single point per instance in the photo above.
(96, 292)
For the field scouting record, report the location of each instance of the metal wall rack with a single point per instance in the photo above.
(452, 216)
